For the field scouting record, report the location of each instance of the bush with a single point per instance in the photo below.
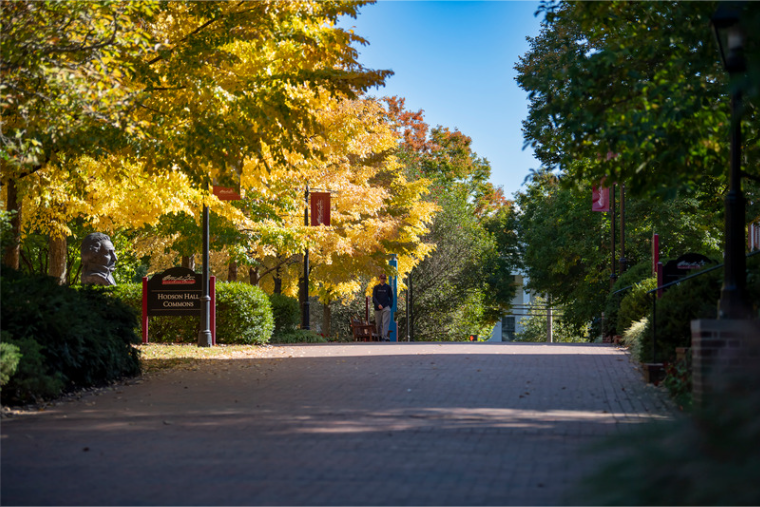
(34, 379)
(633, 337)
(9, 357)
(243, 316)
(286, 313)
(66, 337)
(696, 298)
(678, 382)
(636, 304)
(631, 277)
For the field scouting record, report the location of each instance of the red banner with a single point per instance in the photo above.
(754, 236)
(320, 208)
(226, 193)
(600, 200)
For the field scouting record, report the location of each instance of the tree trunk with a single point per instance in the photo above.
(277, 285)
(253, 275)
(188, 261)
(232, 272)
(57, 259)
(13, 248)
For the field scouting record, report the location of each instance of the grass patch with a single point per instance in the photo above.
(162, 356)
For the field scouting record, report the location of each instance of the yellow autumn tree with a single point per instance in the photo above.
(375, 210)
(191, 88)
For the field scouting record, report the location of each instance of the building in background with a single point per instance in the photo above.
(511, 324)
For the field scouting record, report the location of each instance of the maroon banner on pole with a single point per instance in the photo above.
(320, 208)
(600, 199)
(655, 252)
(226, 193)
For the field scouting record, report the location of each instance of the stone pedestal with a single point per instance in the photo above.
(725, 354)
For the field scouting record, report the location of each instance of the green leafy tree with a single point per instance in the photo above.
(536, 325)
(567, 245)
(465, 284)
(565, 251)
(640, 80)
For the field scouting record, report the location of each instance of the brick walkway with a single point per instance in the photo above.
(338, 424)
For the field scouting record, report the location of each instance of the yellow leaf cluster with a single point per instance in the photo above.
(110, 195)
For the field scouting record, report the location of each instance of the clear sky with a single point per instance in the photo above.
(455, 60)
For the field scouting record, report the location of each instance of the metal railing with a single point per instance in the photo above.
(654, 292)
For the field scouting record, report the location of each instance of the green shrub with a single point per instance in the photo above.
(33, 379)
(636, 304)
(286, 312)
(633, 337)
(696, 298)
(66, 337)
(631, 277)
(298, 336)
(678, 382)
(243, 316)
(9, 357)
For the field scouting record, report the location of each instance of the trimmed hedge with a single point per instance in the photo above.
(243, 316)
(286, 312)
(65, 337)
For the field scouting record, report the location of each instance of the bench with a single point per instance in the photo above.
(363, 331)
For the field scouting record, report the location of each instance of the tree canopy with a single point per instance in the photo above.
(640, 80)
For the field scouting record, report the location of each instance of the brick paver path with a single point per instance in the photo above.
(338, 424)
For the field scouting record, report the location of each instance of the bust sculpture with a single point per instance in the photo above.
(98, 260)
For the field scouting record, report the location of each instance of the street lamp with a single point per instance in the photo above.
(730, 36)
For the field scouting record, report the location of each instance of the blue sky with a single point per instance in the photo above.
(455, 60)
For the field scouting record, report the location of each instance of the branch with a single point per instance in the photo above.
(197, 30)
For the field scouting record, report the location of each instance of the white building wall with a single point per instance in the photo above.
(511, 323)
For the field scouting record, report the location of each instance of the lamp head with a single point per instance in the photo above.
(729, 34)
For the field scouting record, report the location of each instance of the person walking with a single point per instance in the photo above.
(382, 299)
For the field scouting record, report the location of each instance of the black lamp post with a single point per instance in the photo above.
(730, 37)
(305, 310)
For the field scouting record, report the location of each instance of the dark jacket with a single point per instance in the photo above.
(382, 295)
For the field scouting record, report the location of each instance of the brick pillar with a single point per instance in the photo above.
(724, 354)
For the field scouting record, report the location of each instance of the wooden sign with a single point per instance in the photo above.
(176, 291)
